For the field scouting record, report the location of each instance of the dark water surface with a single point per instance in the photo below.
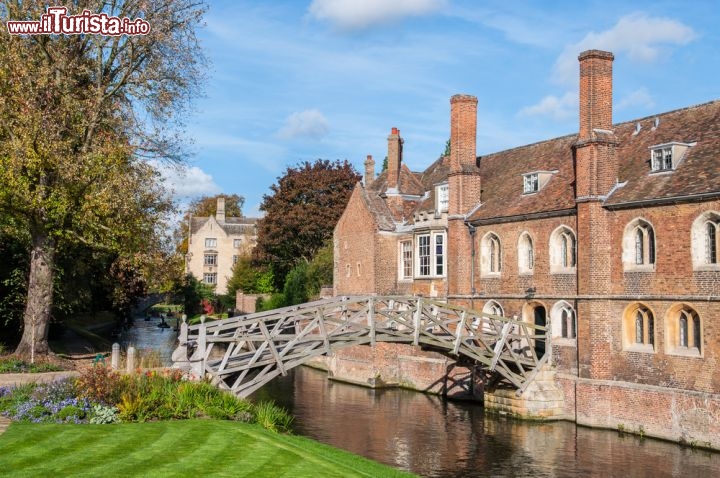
(431, 437)
(146, 335)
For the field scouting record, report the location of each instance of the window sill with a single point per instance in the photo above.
(564, 342)
(706, 268)
(639, 268)
(643, 348)
(564, 270)
(428, 277)
(526, 273)
(490, 275)
(690, 352)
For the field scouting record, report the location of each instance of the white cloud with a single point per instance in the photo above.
(185, 182)
(558, 108)
(638, 35)
(640, 97)
(359, 14)
(308, 123)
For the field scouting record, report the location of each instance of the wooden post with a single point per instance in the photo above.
(115, 360)
(130, 365)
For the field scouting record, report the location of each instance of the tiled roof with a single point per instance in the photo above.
(502, 180)
(697, 173)
(232, 225)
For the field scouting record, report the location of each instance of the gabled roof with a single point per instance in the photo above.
(231, 225)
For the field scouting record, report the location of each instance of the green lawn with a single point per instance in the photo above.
(173, 448)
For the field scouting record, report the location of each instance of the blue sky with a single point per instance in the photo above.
(291, 81)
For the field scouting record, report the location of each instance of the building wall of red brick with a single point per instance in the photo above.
(354, 248)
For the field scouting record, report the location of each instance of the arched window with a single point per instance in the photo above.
(705, 240)
(638, 329)
(638, 245)
(490, 255)
(564, 324)
(492, 307)
(563, 246)
(712, 240)
(683, 331)
(526, 254)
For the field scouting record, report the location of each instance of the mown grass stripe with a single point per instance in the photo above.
(173, 448)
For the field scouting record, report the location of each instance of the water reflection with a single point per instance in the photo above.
(146, 335)
(431, 437)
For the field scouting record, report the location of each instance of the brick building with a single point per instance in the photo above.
(610, 236)
(215, 243)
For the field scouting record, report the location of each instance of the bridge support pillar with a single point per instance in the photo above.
(543, 399)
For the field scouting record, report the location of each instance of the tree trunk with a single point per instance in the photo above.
(34, 341)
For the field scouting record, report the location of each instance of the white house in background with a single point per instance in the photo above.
(216, 243)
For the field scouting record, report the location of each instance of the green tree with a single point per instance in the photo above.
(301, 213)
(250, 278)
(320, 270)
(77, 114)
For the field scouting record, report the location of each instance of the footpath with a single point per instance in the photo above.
(16, 379)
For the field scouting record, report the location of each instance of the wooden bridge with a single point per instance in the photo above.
(244, 353)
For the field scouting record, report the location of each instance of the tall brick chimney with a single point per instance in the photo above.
(220, 214)
(596, 162)
(464, 178)
(464, 191)
(595, 92)
(395, 144)
(369, 170)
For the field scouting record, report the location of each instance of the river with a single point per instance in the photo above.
(436, 438)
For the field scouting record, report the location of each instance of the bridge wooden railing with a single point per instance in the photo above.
(243, 353)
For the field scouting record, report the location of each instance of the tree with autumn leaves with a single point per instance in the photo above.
(301, 213)
(78, 116)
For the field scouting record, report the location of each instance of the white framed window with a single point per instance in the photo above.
(406, 260)
(210, 242)
(564, 322)
(563, 251)
(705, 241)
(531, 183)
(210, 278)
(431, 255)
(639, 246)
(210, 259)
(439, 254)
(237, 243)
(662, 159)
(443, 197)
(526, 254)
(490, 255)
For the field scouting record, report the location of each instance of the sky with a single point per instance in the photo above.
(297, 80)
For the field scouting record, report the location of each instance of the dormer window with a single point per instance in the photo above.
(535, 181)
(531, 183)
(662, 159)
(443, 197)
(667, 157)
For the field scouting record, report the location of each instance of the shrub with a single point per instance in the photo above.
(100, 384)
(273, 418)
